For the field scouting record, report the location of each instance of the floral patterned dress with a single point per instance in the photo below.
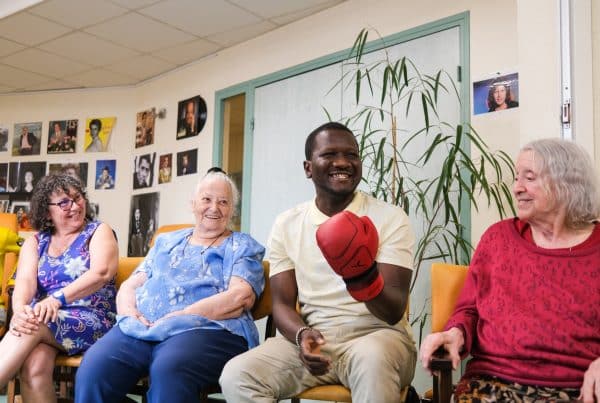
(80, 323)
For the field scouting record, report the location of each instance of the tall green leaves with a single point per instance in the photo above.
(428, 170)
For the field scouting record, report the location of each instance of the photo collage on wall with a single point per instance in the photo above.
(63, 136)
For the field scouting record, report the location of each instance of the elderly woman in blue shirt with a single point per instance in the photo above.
(184, 312)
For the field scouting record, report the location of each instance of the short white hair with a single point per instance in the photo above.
(235, 194)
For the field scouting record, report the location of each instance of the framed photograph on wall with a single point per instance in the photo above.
(106, 174)
(3, 178)
(143, 170)
(165, 168)
(187, 162)
(4, 203)
(496, 93)
(62, 136)
(95, 211)
(97, 134)
(22, 176)
(27, 138)
(143, 222)
(3, 138)
(21, 209)
(144, 128)
(191, 117)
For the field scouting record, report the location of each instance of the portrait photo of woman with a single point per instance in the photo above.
(496, 94)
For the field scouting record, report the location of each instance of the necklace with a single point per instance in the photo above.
(177, 257)
(206, 248)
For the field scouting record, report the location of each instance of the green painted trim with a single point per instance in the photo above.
(465, 96)
(461, 20)
(220, 97)
(248, 155)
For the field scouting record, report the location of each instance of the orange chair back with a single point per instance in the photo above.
(126, 266)
(168, 228)
(447, 281)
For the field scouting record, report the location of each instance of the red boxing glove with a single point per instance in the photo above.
(349, 244)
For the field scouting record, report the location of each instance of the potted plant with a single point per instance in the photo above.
(428, 171)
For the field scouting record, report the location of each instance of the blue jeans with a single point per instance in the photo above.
(179, 367)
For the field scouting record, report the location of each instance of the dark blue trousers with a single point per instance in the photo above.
(178, 367)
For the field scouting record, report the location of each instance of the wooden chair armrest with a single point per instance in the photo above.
(9, 310)
(441, 365)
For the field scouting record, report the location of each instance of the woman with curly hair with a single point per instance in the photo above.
(64, 298)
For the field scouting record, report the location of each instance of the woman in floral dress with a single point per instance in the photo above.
(64, 298)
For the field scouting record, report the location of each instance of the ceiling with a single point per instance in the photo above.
(62, 44)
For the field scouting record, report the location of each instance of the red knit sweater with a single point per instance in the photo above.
(528, 314)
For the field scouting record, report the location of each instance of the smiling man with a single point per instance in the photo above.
(346, 258)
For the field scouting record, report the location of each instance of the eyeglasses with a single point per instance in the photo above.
(66, 204)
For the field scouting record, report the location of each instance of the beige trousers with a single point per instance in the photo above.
(374, 364)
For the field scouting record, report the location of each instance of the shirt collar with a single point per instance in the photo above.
(317, 217)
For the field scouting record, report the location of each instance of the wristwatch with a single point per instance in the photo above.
(60, 296)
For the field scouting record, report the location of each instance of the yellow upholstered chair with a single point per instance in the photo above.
(447, 281)
(66, 365)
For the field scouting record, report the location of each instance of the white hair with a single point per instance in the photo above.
(235, 194)
(569, 175)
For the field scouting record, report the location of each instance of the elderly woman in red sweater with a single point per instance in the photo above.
(529, 313)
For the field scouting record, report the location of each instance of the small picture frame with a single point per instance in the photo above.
(21, 209)
(97, 134)
(191, 117)
(4, 204)
(3, 138)
(165, 168)
(106, 174)
(496, 93)
(187, 162)
(95, 211)
(62, 136)
(27, 137)
(144, 128)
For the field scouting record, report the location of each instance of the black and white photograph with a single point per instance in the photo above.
(143, 170)
(143, 222)
(3, 177)
(3, 138)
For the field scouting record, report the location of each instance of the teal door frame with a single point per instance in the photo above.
(248, 88)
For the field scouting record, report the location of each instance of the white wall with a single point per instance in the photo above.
(519, 35)
(494, 46)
